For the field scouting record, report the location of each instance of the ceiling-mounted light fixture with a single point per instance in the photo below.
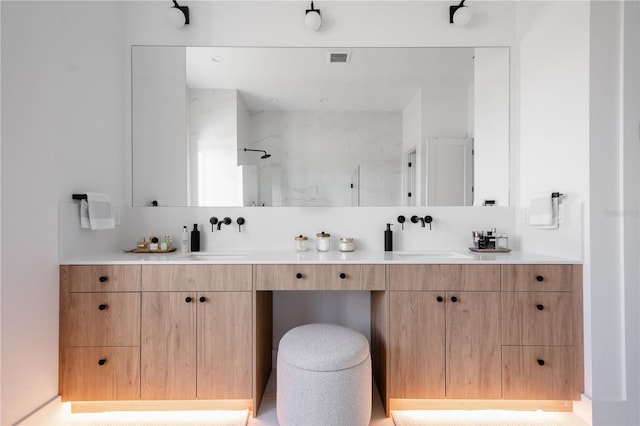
(460, 15)
(264, 157)
(312, 19)
(178, 15)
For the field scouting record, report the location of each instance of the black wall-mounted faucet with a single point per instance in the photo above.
(422, 220)
(226, 221)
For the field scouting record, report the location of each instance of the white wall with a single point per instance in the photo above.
(62, 121)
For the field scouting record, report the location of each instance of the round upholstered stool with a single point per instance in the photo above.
(323, 377)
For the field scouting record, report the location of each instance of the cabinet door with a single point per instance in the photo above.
(100, 374)
(224, 345)
(417, 344)
(473, 345)
(168, 348)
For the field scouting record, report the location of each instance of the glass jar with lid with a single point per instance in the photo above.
(323, 241)
(301, 243)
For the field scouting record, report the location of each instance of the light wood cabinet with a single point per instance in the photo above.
(99, 332)
(482, 331)
(542, 332)
(444, 343)
(196, 344)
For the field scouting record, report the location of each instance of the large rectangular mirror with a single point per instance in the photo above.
(241, 126)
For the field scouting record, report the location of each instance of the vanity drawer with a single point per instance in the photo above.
(100, 374)
(101, 319)
(536, 277)
(445, 277)
(538, 372)
(197, 277)
(535, 318)
(320, 277)
(106, 278)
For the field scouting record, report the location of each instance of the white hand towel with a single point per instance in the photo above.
(96, 212)
(541, 211)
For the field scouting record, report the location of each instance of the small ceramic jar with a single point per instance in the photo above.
(346, 244)
(323, 241)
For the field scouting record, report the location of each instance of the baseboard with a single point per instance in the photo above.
(584, 409)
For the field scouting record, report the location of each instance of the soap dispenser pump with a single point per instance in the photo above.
(195, 238)
(388, 238)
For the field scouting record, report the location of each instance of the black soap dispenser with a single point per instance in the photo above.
(195, 238)
(388, 238)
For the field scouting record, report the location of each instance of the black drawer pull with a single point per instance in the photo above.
(454, 299)
(103, 279)
(298, 275)
(540, 278)
(541, 362)
(439, 299)
(102, 361)
(540, 307)
(343, 275)
(203, 299)
(188, 299)
(103, 307)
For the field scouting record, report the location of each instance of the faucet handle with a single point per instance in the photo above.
(402, 220)
(240, 221)
(428, 219)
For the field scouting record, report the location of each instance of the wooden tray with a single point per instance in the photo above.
(496, 250)
(139, 250)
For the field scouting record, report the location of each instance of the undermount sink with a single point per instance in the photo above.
(218, 255)
(431, 255)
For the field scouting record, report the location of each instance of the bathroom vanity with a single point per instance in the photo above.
(486, 330)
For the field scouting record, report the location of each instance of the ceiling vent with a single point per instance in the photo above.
(339, 56)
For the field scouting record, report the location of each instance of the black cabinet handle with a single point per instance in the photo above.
(188, 299)
(454, 299)
(343, 275)
(103, 307)
(203, 299)
(541, 362)
(298, 275)
(102, 361)
(540, 307)
(539, 278)
(439, 299)
(103, 279)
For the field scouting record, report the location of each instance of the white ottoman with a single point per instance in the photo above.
(323, 377)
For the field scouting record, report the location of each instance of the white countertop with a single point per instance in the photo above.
(311, 256)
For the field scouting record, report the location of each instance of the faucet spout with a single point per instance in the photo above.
(225, 221)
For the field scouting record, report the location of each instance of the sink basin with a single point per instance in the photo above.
(218, 255)
(431, 255)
